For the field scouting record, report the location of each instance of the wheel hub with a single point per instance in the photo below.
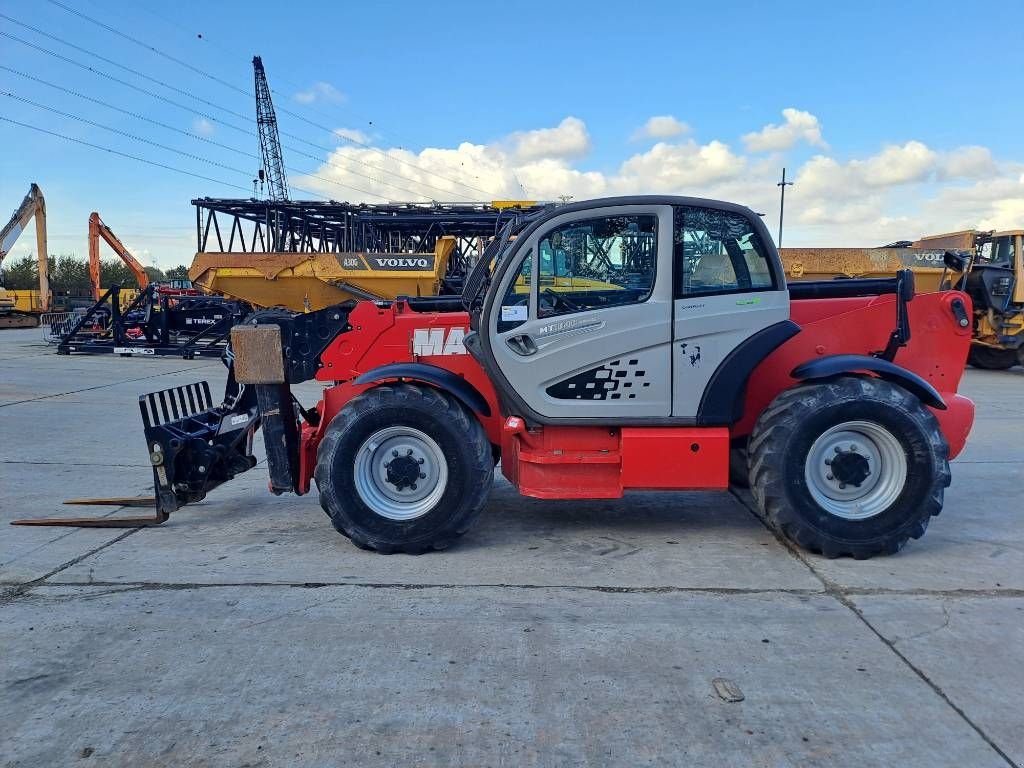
(856, 470)
(404, 471)
(849, 468)
(400, 473)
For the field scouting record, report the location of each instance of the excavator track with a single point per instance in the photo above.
(19, 320)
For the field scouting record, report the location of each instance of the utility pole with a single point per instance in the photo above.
(782, 202)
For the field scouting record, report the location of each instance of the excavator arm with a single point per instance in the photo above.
(98, 229)
(34, 204)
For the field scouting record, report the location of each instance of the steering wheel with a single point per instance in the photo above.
(558, 298)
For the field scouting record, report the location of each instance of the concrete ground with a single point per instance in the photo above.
(246, 632)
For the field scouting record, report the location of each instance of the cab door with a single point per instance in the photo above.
(579, 324)
(729, 288)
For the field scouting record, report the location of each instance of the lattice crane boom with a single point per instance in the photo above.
(270, 140)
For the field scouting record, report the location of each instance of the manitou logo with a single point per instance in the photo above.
(427, 342)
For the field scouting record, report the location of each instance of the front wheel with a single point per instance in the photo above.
(856, 466)
(404, 468)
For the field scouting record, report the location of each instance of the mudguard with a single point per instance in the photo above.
(835, 365)
(441, 378)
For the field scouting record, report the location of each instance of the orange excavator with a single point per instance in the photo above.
(98, 229)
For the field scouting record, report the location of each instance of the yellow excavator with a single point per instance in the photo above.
(21, 309)
(989, 266)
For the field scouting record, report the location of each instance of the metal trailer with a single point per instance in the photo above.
(156, 323)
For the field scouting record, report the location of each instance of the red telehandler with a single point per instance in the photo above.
(620, 344)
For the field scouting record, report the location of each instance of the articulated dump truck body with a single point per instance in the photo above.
(303, 282)
(829, 263)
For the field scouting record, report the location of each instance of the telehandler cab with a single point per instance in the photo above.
(671, 345)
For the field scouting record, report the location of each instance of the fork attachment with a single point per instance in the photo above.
(195, 446)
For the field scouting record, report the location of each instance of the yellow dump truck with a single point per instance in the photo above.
(993, 277)
(310, 281)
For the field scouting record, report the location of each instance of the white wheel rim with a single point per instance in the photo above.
(400, 473)
(856, 470)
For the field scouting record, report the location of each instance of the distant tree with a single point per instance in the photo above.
(179, 272)
(117, 273)
(155, 274)
(22, 274)
(69, 275)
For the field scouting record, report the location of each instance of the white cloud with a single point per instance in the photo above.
(661, 127)
(679, 167)
(352, 134)
(203, 127)
(320, 92)
(569, 139)
(912, 161)
(798, 126)
(900, 191)
(968, 163)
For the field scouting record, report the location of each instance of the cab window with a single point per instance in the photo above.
(718, 252)
(515, 307)
(599, 262)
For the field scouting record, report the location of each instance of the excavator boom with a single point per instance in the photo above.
(34, 204)
(98, 229)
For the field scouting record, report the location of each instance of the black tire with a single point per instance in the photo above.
(992, 358)
(782, 441)
(739, 476)
(458, 434)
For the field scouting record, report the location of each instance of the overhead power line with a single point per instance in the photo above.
(130, 113)
(126, 134)
(121, 154)
(183, 153)
(245, 92)
(117, 64)
(210, 141)
(208, 116)
(125, 83)
(206, 39)
(149, 47)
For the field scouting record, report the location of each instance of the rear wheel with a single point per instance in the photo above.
(403, 468)
(992, 358)
(854, 466)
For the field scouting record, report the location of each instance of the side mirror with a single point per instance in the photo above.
(956, 261)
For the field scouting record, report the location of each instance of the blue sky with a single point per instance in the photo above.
(902, 118)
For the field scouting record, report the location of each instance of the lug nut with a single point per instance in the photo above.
(395, 454)
(409, 452)
(419, 461)
(842, 485)
(828, 462)
(422, 475)
(853, 447)
(413, 486)
(838, 449)
(831, 477)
